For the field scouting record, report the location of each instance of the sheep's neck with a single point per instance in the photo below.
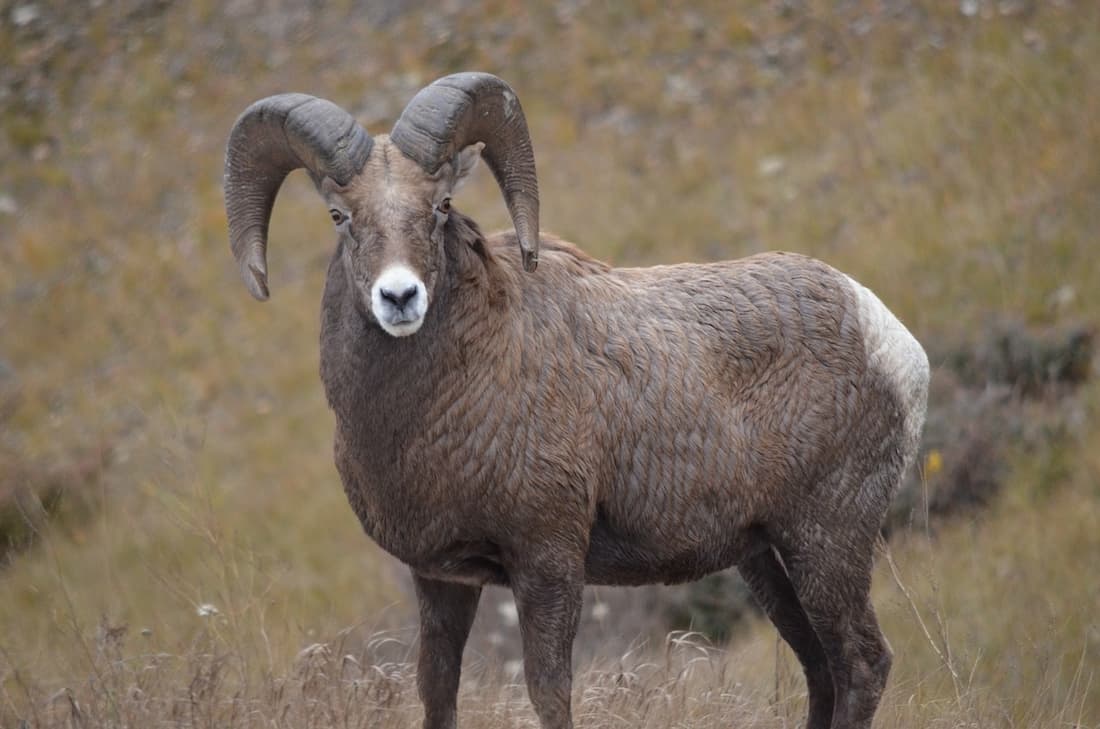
(403, 404)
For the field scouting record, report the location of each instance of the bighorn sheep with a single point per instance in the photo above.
(584, 424)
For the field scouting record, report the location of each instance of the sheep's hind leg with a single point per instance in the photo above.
(772, 588)
(446, 614)
(549, 606)
(834, 590)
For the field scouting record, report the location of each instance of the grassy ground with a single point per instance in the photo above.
(947, 161)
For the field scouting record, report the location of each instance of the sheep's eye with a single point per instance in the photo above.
(338, 216)
(444, 205)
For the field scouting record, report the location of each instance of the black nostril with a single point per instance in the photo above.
(399, 300)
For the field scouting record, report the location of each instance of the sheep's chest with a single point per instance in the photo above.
(388, 513)
(420, 516)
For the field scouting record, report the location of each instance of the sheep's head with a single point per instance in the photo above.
(388, 197)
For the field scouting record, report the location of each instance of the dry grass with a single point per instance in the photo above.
(368, 681)
(948, 162)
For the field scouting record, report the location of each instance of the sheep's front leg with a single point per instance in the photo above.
(549, 606)
(447, 611)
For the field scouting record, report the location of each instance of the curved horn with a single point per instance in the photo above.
(458, 110)
(270, 139)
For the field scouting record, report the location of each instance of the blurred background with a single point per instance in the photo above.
(175, 545)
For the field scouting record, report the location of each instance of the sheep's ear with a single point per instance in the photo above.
(465, 162)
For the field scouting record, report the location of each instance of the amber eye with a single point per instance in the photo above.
(338, 217)
(444, 205)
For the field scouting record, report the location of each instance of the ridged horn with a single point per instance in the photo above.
(273, 137)
(461, 109)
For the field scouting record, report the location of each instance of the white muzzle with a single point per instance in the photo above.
(399, 301)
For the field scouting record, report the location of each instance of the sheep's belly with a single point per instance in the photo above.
(615, 558)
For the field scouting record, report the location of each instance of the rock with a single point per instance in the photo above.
(508, 613)
(1012, 7)
(8, 205)
(681, 89)
(22, 15)
(1062, 297)
(770, 166)
(1034, 40)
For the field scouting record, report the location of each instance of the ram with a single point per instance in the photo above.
(543, 429)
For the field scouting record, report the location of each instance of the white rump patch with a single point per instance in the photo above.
(895, 353)
(397, 321)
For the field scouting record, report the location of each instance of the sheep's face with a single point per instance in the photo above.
(390, 220)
